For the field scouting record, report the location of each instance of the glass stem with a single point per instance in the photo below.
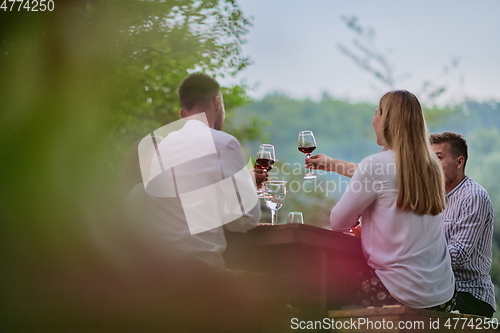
(273, 217)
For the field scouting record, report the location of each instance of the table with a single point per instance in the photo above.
(316, 264)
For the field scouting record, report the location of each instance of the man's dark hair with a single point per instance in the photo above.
(197, 89)
(458, 145)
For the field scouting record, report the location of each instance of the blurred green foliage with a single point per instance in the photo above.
(78, 86)
(157, 44)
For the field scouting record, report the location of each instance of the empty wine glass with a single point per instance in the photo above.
(264, 161)
(307, 144)
(274, 196)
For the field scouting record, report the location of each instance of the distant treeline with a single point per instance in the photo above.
(343, 129)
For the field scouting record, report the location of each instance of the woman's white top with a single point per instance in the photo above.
(407, 251)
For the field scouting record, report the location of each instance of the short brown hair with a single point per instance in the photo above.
(197, 89)
(458, 145)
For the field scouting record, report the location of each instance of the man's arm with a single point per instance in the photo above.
(234, 166)
(468, 230)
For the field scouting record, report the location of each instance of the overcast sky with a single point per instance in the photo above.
(294, 46)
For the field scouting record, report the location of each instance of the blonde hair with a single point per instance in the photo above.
(419, 174)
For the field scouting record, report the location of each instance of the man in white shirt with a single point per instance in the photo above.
(468, 227)
(196, 180)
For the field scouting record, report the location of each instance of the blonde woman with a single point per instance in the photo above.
(400, 194)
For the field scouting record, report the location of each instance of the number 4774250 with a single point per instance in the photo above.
(471, 323)
(27, 5)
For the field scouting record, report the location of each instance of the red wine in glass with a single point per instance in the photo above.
(264, 161)
(265, 157)
(307, 150)
(306, 145)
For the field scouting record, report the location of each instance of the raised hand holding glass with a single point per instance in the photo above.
(265, 159)
(306, 145)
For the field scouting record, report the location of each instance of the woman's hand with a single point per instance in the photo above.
(323, 162)
(318, 162)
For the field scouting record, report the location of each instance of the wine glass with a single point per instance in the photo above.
(265, 160)
(307, 144)
(355, 230)
(274, 196)
(295, 217)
